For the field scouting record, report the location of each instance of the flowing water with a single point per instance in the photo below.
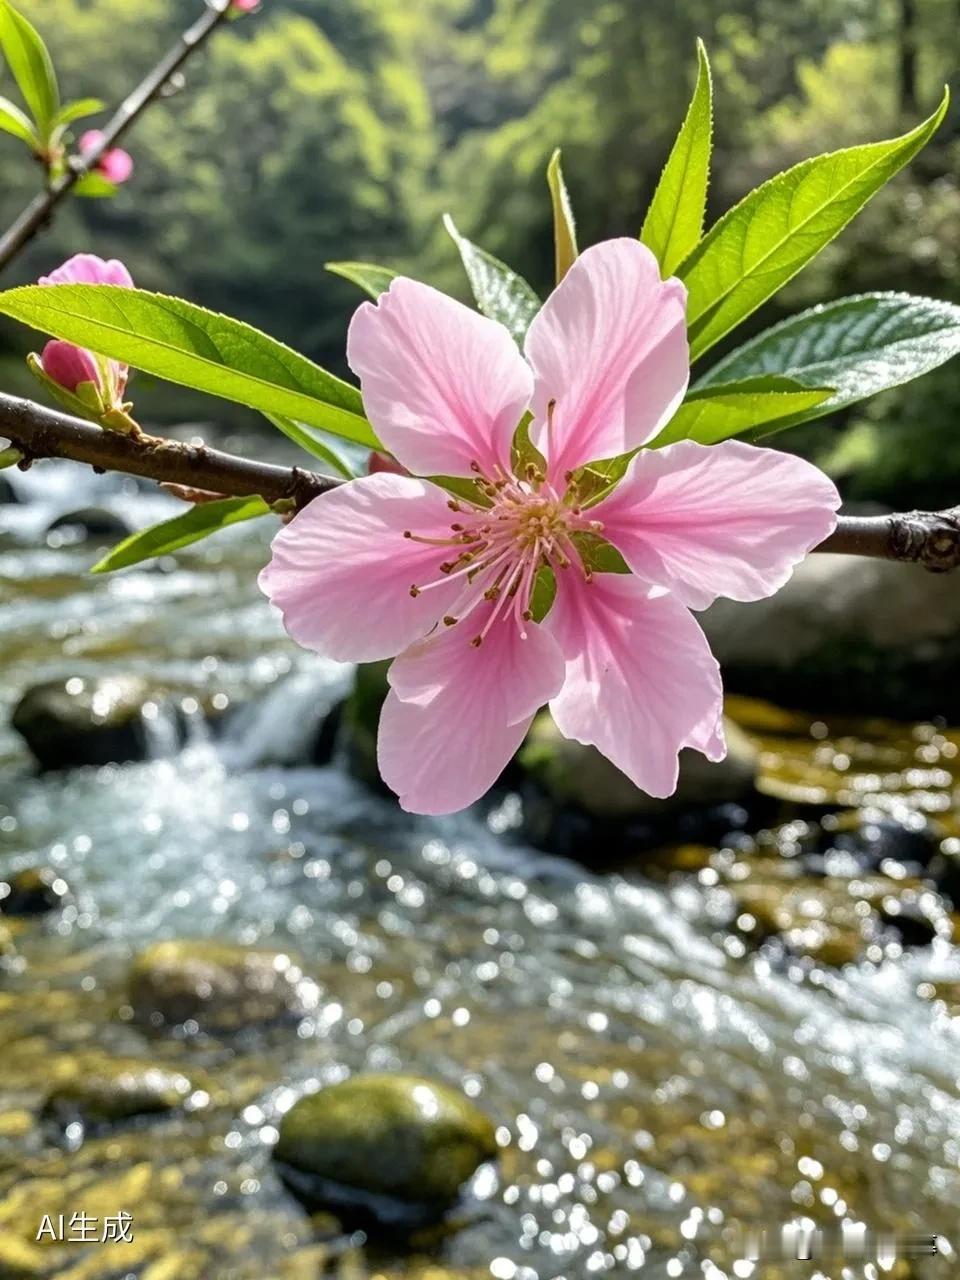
(657, 1082)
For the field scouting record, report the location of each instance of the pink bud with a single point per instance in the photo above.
(246, 6)
(116, 165)
(69, 366)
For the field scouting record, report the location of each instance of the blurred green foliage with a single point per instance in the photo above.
(342, 129)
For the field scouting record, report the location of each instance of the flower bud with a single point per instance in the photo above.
(83, 382)
(116, 165)
(245, 6)
(69, 366)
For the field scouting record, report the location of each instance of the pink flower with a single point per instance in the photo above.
(70, 366)
(393, 565)
(116, 165)
(246, 6)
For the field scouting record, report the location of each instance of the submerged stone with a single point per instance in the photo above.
(360, 720)
(104, 1091)
(571, 773)
(219, 986)
(32, 892)
(399, 1148)
(845, 634)
(88, 523)
(68, 723)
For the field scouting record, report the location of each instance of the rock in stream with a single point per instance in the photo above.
(396, 1148)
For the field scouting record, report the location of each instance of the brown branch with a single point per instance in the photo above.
(41, 209)
(46, 433)
(929, 538)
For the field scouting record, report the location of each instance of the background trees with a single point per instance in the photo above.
(342, 128)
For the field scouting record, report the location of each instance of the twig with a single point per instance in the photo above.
(40, 210)
(46, 433)
(928, 538)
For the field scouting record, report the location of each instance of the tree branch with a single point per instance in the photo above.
(38, 433)
(41, 209)
(928, 538)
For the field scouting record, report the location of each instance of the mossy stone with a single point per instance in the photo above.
(90, 523)
(360, 722)
(68, 723)
(32, 892)
(218, 985)
(104, 1091)
(391, 1135)
(570, 773)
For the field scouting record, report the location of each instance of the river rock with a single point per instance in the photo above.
(846, 634)
(105, 1091)
(95, 721)
(32, 892)
(571, 773)
(219, 986)
(88, 524)
(359, 721)
(399, 1147)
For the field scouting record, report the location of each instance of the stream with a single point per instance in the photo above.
(659, 1082)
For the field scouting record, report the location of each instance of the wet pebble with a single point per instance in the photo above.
(33, 892)
(395, 1148)
(218, 986)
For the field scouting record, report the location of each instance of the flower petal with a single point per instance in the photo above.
(720, 520)
(456, 713)
(610, 348)
(87, 268)
(341, 571)
(443, 386)
(641, 680)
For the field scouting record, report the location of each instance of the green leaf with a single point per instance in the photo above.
(674, 222)
(499, 292)
(712, 414)
(162, 539)
(859, 346)
(775, 231)
(77, 110)
(367, 275)
(31, 66)
(94, 186)
(188, 345)
(13, 120)
(309, 438)
(564, 227)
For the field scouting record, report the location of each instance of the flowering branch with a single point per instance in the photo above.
(928, 538)
(41, 209)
